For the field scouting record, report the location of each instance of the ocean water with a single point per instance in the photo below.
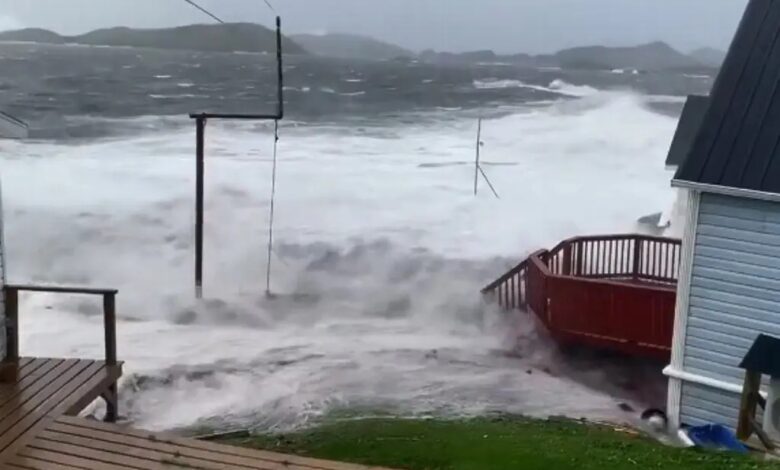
(380, 249)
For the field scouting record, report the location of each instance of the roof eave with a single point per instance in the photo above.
(726, 190)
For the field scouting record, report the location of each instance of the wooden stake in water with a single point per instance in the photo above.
(477, 167)
(476, 163)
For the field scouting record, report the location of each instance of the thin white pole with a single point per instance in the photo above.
(476, 162)
(271, 216)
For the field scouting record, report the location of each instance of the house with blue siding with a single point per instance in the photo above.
(729, 280)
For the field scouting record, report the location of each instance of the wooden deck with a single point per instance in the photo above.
(69, 443)
(41, 398)
(38, 431)
(35, 389)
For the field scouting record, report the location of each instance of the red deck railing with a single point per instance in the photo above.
(616, 292)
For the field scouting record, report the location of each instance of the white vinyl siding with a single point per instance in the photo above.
(734, 296)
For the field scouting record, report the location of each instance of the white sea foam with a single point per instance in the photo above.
(176, 96)
(385, 259)
(571, 90)
(666, 99)
(556, 86)
(495, 84)
(307, 89)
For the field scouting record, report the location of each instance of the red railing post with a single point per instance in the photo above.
(578, 260)
(567, 260)
(638, 245)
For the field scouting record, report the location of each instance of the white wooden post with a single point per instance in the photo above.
(10, 128)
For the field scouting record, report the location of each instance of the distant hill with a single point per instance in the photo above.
(42, 36)
(483, 56)
(652, 56)
(709, 56)
(230, 37)
(349, 46)
(248, 37)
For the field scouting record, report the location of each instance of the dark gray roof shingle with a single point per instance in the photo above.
(738, 145)
(687, 128)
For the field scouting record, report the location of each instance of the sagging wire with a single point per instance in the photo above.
(212, 15)
(271, 7)
(276, 139)
(218, 19)
(271, 214)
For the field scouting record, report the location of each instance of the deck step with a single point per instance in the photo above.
(78, 443)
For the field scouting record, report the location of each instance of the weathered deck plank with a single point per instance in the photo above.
(37, 433)
(95, 445)
(35, 389)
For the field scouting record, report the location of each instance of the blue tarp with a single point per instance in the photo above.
(715, 436)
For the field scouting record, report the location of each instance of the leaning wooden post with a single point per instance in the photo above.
(199, 177)
(763, 358)
(747, 406)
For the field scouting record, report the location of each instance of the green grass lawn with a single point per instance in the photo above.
(491, 444)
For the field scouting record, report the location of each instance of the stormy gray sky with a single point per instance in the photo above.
(455, 25)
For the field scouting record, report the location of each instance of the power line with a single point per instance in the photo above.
(270, 6)
(218, 19)
(212, 15)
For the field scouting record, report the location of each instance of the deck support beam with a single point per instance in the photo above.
(11, 325)
(111, 397)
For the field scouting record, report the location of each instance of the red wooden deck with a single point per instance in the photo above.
(612, 292)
